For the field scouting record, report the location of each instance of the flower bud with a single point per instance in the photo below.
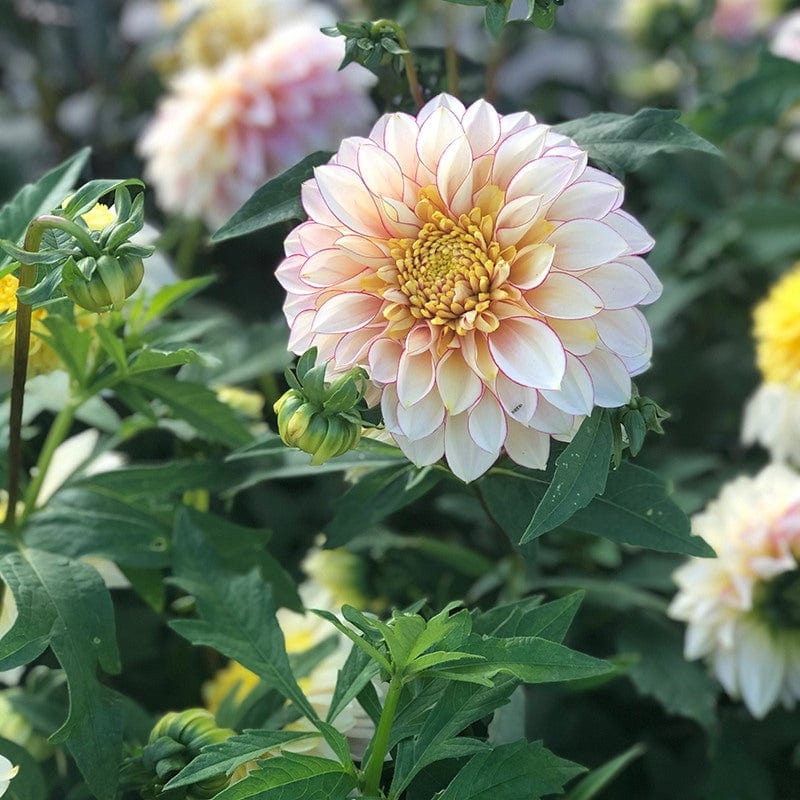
(110, 283)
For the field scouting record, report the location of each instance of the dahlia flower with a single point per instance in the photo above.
(221, 133)
(786, 37)
(483, 275)
(301, 633)
(742, 607)
(7, 772)
(739, 20)
(772, 415)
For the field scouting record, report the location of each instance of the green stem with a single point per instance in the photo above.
(408, 58)
(451, 68)
(380, 743)
(57, 433)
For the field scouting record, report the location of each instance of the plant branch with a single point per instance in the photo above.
(380, 743)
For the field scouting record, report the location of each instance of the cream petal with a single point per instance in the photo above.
(518, 148)
(435, 134)
(459, 387)
(587, 199)
(419, 338)
(311, 236)
(527, 447)
(346, 312)
(328, 267)
(415, 377)
(564, 296)
(482, 124)
(638, 239)
(487, 423)
(353, 347)
(515, 219)
(441, 101)
(612, 383)
(399, 219)
(475, 351)
(423, 452)
(636, 364)
(576, 395)
(380, 171)
(549, 419)
(578, 336)
(528, 352)
(288, 275)
(315, 205)
(546, 177)
(624, 332)
(582, 243)
(519, 120)
(761, 667)
(454, 175)
(465, 459)
(618, 285)
(531, 265)
(349, 200)
(399, 138)
(421, 419)
(362, 250)
(643, 268)
(519, 402)
(301, 337)
(384, 359)
(389, 403)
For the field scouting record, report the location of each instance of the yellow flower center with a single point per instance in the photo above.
(777, 332)
(452, 271)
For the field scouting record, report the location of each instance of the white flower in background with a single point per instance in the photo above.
(7, 772)
(772, 415)
(786, 37)
(221, 133)
(742, 608)
(301, 633)
(485, 277)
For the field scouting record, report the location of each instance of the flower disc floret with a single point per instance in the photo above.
(742, 608)
(483, 275)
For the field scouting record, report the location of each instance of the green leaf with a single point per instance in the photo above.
(71, 598)
(90, 193)
(173, 296)
(496, 17)
(356, 673)
(622, 143)
(39, 198)
(542, 13)
(517, 771)
(276, 201)
(237, 613)
(29, 783)
(70, 343)
(198, 405)
(682, 687)
(580, 474)
(377, 495)
(225, 757)
(79, 521)
(290, 777)
(113, 345)
(635, 509)
(599, 778)
(149, 360)
(549, 621)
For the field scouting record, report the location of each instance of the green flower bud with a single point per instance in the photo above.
(111, 282)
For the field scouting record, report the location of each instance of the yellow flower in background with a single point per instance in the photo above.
(772, 415)
(341, 573)
(17, 729)
(248, 402)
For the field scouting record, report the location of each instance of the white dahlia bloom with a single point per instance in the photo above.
(481, 272)
(7, 772)
(222, 132)
(742, 608)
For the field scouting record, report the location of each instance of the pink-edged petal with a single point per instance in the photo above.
(578, 336)
(487, 423)
(328, 267)
(435, 134)
(546, 177)
(399, 138)
(384, 359)
(636, 364)
(465, 459)
(398, 218)
(519, 402)
(380, 171)
(288, 275)
(527, 446)
(475, 351)
(346, 312)
(528, 352)
(362, 250)
(618, 285)
(312, 236)
(564, 296)
(586, 199)
(415, 377)
(638, 239)
(301, 336)
(482, 124)
(624, 332)
(315, 206)
(576, 395)
(389, 403)
(454, 175)
(518, 148)
(423, 418)
(520, 120)
(643, 268)
(552, 420)
(612, 383)
(532, 265)
(459, 387)
(441, 101)
(353, 347)
(349, 199)
(423, 452)
(419, 338)
(515, 219)
(583, 243)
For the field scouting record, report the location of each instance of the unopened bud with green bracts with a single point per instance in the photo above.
(317, 417)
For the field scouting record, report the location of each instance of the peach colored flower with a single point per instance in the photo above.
(742, 607)
(222, 132)
(739, 20)
(481, 272)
